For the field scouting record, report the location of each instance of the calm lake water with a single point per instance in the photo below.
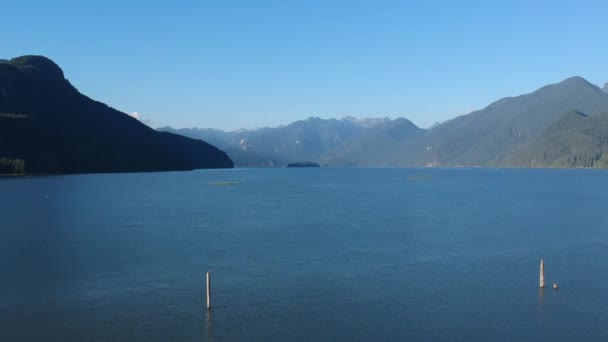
(306, 255)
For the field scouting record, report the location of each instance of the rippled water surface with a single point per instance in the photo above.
(306, 254)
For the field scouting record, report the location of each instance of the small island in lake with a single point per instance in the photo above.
(303, 164)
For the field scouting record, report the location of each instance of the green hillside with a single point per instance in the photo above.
(576, 140)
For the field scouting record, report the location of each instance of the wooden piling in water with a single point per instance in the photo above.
(208, 291)
(542, 274)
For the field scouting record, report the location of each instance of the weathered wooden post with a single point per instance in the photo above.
(542, 274)
(208, 291)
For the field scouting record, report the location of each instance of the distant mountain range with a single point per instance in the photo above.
(304, 140)
(374, 146)
(47, 126)
(513, 131)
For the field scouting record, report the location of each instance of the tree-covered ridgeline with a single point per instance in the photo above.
(53, 128)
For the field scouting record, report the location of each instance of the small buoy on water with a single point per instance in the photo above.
(555, 286)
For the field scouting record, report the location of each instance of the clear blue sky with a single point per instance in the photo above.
(232, 64)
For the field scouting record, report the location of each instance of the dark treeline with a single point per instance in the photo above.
(12, 166)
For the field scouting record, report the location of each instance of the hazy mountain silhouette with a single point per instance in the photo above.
(372, 146)
(48, 124)
(278, 146)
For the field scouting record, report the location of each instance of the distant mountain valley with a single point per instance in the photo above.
(304, 140)
(558, 125)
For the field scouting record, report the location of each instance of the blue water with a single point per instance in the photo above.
(305, 255)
